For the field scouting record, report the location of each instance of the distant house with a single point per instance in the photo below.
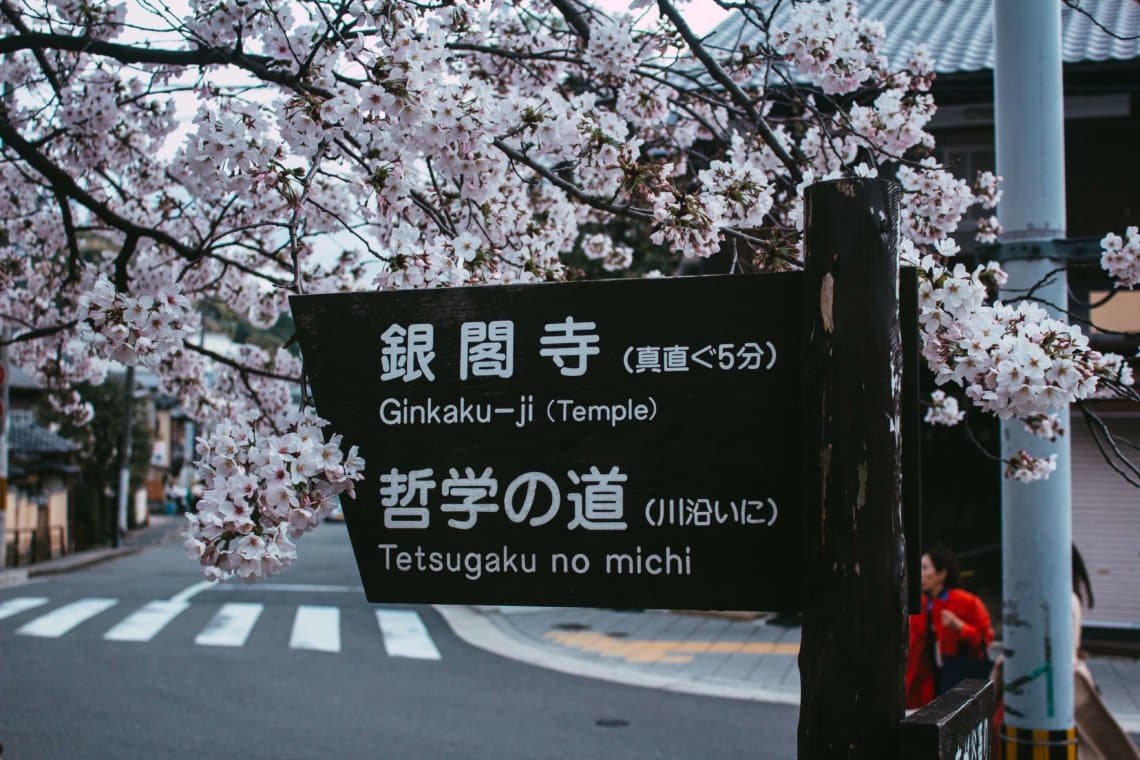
(1102, 160)
(42, 472)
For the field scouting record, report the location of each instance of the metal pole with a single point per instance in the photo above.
(122, 494)
(1036, 518)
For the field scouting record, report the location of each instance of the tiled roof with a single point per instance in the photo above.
(33, 439)
(959, 33)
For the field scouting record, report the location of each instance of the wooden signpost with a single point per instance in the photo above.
(723, 442)
(955, 726)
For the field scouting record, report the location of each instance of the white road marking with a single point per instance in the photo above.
(316, 628)
(60, 621)
(405, 635)
(20, 604)
(145, 623)
(231, 626)
(190, 592)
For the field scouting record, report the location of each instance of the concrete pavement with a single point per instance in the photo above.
(701, 654)
(750, 657)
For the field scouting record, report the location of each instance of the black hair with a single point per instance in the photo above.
(1081, 579)
(943, 559)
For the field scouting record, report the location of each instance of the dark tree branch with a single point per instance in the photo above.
(40, 332)
(724, 80)
(1105, 442)
(73, 255)
(122, 262)
(63, 184)
(259, 66)
(1076, 6)
(574, 17)
(18, 22)
(568, 187)
(241, 368)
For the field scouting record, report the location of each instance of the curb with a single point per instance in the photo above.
(480, 629)
(16, 576)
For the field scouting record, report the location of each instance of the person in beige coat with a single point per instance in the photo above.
(1099, 736)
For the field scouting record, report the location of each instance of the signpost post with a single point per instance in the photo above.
(854, 637)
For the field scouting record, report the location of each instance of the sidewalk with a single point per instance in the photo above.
(161, 529)
(694, 653)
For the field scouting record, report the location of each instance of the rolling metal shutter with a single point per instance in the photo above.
(1106, 524)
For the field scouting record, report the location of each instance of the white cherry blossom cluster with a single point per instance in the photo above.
(687, 222)
(831, 45)
(988, 230)
(1121, 257)
(935, 201)
(615, 257)
(612, 51)
(987, 189)
(943, 410)
(895, 122)
(262, 490)
(134, 329)
(740, 187)
(1013, 361)
(1027, 468)
(1046, 426)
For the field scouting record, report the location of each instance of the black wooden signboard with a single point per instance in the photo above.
(623, 443)
(955, 726)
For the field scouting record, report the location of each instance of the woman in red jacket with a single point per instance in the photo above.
(952, 624)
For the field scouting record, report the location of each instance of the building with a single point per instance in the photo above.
(42, 474)
(1101, 53)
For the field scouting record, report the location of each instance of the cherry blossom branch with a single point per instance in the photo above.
(738, 96)
(569, 187)
(1076, 6)
(202, 56)
(63, 183)
(39, 332)
(15, 20)
(1106, 444)
(73, 254)
(241, 368)
(514, 55)
(1076, 317)
(573, 17)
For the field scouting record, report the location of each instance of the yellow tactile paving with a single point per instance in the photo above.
(651, 650)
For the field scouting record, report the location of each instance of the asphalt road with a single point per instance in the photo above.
(191, 689)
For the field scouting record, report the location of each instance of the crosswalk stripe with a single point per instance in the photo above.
(145, 623)
(316, 627)
(231, 626)
(405, 635)
(20, 604)
(60, 621)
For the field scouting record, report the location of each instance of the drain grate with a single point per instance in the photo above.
(611, 722)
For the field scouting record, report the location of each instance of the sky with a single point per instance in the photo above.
(702, 15)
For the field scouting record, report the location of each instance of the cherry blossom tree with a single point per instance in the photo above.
(244, 151)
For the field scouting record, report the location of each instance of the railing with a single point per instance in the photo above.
(27, 546)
